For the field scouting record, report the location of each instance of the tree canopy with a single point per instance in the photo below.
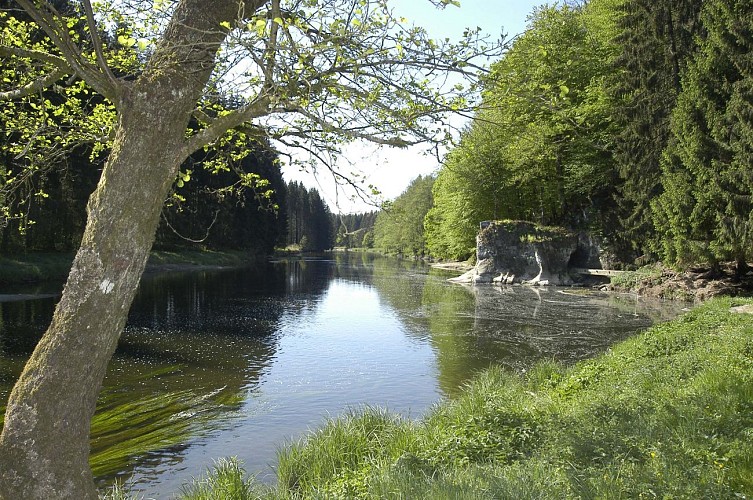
(539, 147)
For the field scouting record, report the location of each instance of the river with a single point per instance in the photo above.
(239, 362)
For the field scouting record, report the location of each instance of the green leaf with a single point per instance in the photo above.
(260, 26)
(126, 41)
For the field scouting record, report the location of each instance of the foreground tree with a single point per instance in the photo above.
(321, 71)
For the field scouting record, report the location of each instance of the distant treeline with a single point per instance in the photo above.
(309, 220)
(355, 230)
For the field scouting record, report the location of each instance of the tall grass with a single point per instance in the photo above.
(225, 481)
(667, 414)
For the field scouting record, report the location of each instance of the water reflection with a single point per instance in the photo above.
(236, 362)
(472, 328)
(198, 343)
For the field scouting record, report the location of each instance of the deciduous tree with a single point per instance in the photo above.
(310, 74)
(399, 227)
(538, 149)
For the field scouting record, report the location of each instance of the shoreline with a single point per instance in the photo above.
(34, 268)
(663, 413)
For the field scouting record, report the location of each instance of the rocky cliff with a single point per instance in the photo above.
(522, 252)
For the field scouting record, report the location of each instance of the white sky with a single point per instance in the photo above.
(390, 169)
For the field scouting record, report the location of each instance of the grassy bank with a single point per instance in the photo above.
(668, 414)
(37, 267)
(34, 267)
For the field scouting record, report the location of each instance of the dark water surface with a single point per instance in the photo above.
(239, 362)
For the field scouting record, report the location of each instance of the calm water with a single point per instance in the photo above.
(239, 362)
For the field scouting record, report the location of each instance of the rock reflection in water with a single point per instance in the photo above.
(474, 327)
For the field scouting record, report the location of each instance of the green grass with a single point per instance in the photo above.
(34, 267)
(631, 280)
(225, 481)
(667, 414)
(200, 258)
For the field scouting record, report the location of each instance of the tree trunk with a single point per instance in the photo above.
(741, 267)
(44, 446)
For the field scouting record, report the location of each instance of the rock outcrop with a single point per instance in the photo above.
(522, 252)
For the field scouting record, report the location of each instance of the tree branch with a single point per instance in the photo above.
(351, 133)
(45, 19)
(35, 86)
(37, 55)
(259, 107)
(97, 43)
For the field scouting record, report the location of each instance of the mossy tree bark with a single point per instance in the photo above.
(44, 446)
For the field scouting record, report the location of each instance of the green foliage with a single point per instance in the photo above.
(337, 461)
(704, 215)
(386, 96)
(117, 492)
(399, 227)
(354, 230)
(539, 148)
(631, 280)
(655, 41)
(225, 481)
(468, 189)
(48, 121)
(226, 198)
(56, 140)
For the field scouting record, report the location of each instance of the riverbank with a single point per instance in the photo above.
(38, 267)
(666, 413)
(693, 285)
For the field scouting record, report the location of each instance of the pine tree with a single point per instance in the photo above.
(655, 39)
(706, 212)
